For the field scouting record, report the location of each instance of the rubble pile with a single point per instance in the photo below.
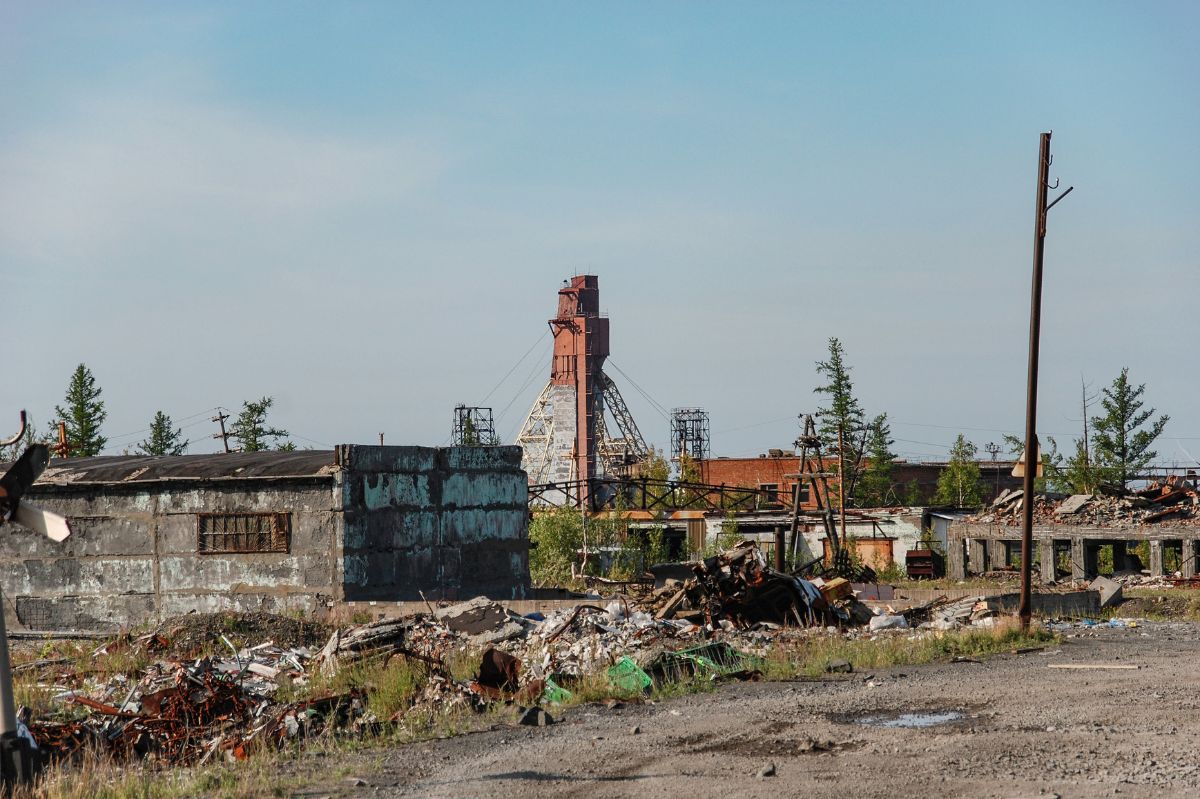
(737, 586)
(713, 619)
(1174, 501)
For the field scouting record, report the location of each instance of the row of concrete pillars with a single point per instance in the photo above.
(1081, 556)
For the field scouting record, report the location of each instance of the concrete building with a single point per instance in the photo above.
(276, 531)
(881, 536)
(977, 547)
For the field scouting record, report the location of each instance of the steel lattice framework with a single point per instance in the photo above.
(473, 427)
(689, 433)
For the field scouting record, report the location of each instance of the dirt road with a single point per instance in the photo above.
(1025, 730)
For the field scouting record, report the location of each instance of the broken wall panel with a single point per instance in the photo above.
(442, 522)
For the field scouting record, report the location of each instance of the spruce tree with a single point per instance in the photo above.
(164, 439)
(250, 428)
(875, 488)
(844, 413)
(1121, 446)
(958, 484)
(84, 414)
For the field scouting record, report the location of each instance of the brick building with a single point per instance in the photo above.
(777, 471)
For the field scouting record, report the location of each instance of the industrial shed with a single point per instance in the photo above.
(276, 531)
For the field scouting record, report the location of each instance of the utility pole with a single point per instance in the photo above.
(221, 417)
(994, 449)
(1041, 209)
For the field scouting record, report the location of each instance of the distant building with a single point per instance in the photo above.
(777, 471)
(275, 531)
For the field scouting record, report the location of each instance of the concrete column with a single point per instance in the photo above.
(956, 561)
(1188, 567)
(997, 554)
(1077, 558)
(976, 556)
(1118, 549)
(1156, 559)
(1046, 559)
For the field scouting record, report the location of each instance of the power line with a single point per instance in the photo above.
(520, 360)
(654, 403)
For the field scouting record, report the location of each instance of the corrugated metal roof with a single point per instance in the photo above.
(150, 468)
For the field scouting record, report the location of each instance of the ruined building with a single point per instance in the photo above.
(276, 531)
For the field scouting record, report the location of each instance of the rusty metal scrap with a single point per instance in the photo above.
(737, 586)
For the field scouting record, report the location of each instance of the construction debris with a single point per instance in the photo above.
(223, 701)
(1172, 501)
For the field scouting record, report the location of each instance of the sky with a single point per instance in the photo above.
(364, 210)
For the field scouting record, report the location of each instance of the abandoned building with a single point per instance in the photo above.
(777, 471)
(1072, 536)
(155, 537)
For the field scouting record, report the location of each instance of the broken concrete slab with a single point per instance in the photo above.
(477, 616)
(1073, 504)
(1111, 593)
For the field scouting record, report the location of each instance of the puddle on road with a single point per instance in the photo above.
(911, 719)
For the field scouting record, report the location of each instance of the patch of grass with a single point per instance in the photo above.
(809, 658)
(390, 684)
(1162, 604)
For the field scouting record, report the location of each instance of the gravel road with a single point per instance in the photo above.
(1025, 730)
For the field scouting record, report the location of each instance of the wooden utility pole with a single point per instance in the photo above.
(1025, 610)
(221, 417)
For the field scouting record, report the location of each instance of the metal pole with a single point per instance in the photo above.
(842, 485)
(16, 753)
(1024, 611)
(8, 709)
(779, 547)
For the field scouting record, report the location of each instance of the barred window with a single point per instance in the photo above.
(243, 532)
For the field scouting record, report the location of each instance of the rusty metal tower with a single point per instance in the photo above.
(565, 436)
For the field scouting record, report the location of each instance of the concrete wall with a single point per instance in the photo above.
(132, 556)
(446, 522)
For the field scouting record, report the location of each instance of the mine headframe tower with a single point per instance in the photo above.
(689, 434)
(565, 435)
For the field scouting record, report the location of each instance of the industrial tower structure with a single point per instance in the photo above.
(689, 434)
(565, 436)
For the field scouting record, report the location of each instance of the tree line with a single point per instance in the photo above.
(1116, 445)
(83, 414)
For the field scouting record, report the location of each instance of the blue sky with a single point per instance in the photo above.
(364, 209)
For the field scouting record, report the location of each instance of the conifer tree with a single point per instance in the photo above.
(1121, 446)
(875, 488)
(250, 428)
(84, 414)
(842, 412)
(164, 439)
